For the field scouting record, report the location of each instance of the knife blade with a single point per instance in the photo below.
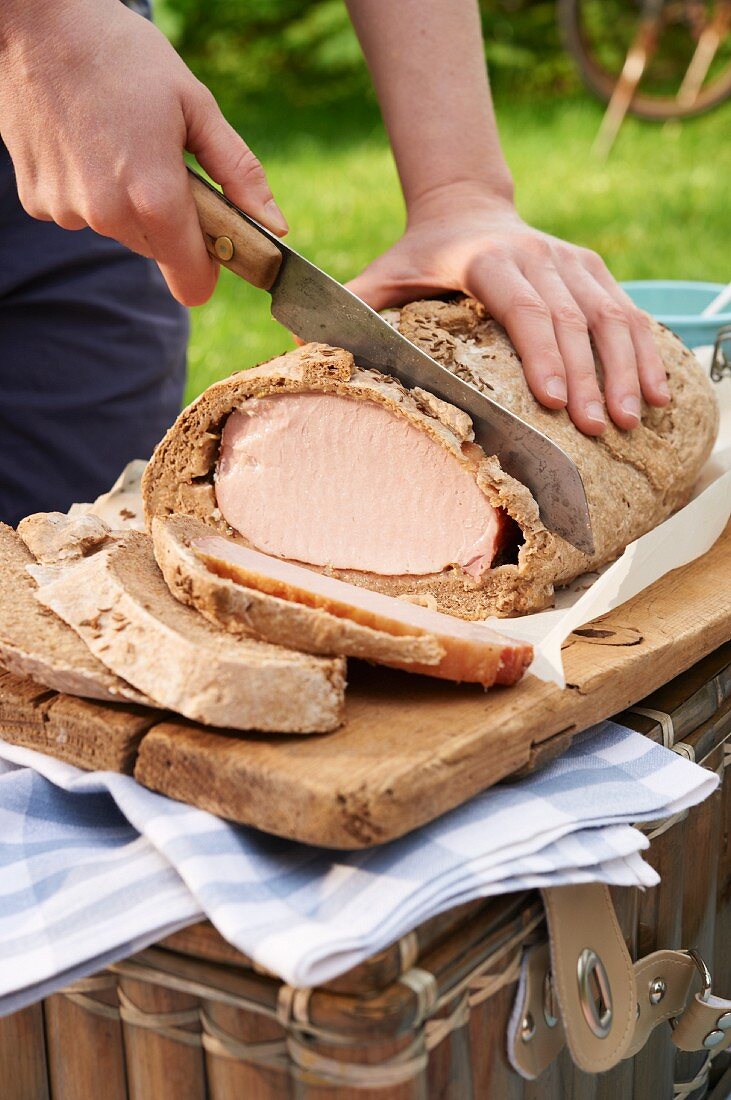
(315, 307)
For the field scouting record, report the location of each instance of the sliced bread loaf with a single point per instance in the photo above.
(34, 642)
(118, 603)
(251, 593)
(633, 479)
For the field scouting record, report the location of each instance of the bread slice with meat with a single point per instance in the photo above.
(252, 594)
(633, 479)
(117, 601)
(35, 642)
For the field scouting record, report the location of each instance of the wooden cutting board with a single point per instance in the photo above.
(411, 748)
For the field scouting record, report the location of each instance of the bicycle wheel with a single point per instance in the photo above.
(599, 33)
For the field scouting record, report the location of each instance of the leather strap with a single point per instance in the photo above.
(565, 990)
(535, 1032)
(705, 1025)
(663, 986)
(592, 974)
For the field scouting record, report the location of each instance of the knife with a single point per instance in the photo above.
(316, 307)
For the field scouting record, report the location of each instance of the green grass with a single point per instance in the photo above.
(658, 208)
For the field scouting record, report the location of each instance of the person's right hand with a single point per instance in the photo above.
(96, 109)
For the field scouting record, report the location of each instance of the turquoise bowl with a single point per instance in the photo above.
(679, 305)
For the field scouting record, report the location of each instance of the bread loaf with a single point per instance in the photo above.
(118, 603)
(633, 479)
(34, 642)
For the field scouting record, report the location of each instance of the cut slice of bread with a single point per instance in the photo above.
(251, 593)
(34, 642)
(633, 480)
(246, 612)
(56, 538)
(119, 604)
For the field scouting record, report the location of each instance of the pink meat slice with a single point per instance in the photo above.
(472, 651)
(330, 480)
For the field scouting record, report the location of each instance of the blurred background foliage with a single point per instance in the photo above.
(289, 76)
(306, 49)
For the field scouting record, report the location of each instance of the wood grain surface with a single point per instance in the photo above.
(411, 748)
(95, 736)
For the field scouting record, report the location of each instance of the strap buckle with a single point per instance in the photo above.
(706, 1022)
(700, 965)
(706, 980)
(720, 360)
(573, 993)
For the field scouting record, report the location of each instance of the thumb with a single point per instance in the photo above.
(374, 289)
(391, 280)
(229, 161)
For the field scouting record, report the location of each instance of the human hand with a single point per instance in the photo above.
(96, 109)
(549, 295)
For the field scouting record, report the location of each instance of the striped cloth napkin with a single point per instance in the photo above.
(94, 867)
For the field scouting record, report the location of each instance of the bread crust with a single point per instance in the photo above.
(633, 479)
(245, 610)
(119, 604)
(34, 642)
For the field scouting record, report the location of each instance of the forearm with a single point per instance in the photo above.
(428, 67)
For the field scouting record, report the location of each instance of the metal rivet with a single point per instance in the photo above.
(658, 989)
(527, 1027)
(713, 1038)
(550, 1008)
(724, 1022)
(595, 995)
(224, 247)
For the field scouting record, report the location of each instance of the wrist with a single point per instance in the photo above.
(445, 198)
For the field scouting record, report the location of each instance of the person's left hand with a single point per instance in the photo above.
(549, 295)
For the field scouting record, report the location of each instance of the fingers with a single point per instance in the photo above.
(50, 210)
(524, 314)
(171, 234)
(227, 159)
(652, 374)
(69, 219)
(382, 285)
(157, 219)
(610, 327)
(372, 290)
(153, 215)
(585, 404)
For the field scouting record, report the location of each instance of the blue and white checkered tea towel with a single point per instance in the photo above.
(94, 867)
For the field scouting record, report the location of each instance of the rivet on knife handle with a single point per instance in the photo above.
(224, 249)
(232, 239)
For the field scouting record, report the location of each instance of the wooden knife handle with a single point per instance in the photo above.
(232, 237)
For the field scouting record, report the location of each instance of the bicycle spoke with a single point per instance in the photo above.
(686, 71)
(710, 39)
(638, 57)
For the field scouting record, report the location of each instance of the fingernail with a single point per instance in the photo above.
(275, 219)
(631, 406)
(595, 412)
(663, 389)
(556, 388)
